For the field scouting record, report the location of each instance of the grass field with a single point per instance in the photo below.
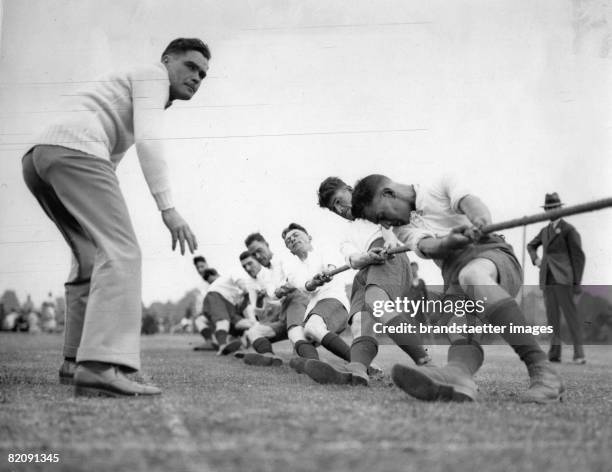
(221, 415)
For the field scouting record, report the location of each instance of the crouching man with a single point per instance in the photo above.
(443, 222)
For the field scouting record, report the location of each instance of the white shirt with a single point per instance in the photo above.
(316, 262)
(275, 275)
(114, 112)
(359, 236)
(437, 212)
(233, 288)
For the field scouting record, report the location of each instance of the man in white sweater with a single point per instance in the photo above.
(71, 172)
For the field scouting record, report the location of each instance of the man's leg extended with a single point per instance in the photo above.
(260, 336)
(479, 279)
(316, 328)
(83, 254)
(408, 342)
(88, 189)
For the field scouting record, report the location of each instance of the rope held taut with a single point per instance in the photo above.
(516, 222)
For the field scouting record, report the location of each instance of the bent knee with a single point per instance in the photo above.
(315, 327)
(478, 272)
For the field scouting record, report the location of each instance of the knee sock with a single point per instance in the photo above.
(306, 349)
(507, 311)
(465, 354)
(221, 336)
(336, 345)
(262, 345)
(407, 342)
(364, 350)
(206, 333)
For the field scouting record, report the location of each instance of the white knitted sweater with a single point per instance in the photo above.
(109, 115)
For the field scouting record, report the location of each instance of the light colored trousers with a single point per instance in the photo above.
(81, 194)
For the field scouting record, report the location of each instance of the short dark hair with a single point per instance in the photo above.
(291, 227)
(209, 273)
(245, 254)
(364, 193)
(327, 189)
(254, 237)
(197, 259)
(187, 44)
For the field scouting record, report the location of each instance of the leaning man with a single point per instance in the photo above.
(71, 172)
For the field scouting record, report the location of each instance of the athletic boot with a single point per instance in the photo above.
(297, 364)
(545, 384)
(324, 373)
(264, 360)
(359, 373)
(430, 383)
(229, 347)
(66, 372)
(207, 345)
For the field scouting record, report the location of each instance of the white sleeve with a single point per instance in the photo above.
(150, 94)
(390, 238)
(454, 191)
(297, 276)
(411, 236)
(348, 249)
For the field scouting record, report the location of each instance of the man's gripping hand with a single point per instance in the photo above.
(458, 238)
(179, 230)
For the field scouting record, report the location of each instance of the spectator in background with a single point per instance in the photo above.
(10, 321)
(561, 268)
(48, 315)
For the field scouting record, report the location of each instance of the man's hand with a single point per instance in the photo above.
(283, 290)
(577, 289)
(537, 262)
(322, 278)
(179, 230)
(377, 255)
(457, 238)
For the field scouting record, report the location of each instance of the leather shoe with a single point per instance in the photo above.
(264, 360)
(297, 364)
(99, 379)
(430, 383)
(229, 347)
(545, 385)
(359, 373)
(324, 373)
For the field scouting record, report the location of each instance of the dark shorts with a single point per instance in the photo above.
(333, 313)
(280, 331)
(498, 251)
(394, 277)
(293, 309)
(217, 308)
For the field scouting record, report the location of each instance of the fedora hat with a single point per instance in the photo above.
(551, 201)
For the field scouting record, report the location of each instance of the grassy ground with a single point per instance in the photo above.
(219, 414)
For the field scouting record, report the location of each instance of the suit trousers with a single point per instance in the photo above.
(557, 298)
(81, 195)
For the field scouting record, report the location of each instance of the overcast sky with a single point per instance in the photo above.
(511, 95)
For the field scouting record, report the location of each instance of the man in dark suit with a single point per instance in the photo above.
(561, 268)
